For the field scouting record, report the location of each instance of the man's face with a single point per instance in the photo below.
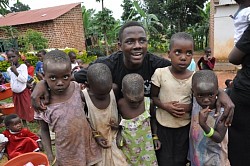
(134, 46)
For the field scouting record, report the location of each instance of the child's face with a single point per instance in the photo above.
(205, 94)
(40, 56)
(100, 92)
(181, 54)
(58, 76)
(133, 100)
(15, 125)
(72, 58)
(27, 63)
(208, 52)
(12, 57)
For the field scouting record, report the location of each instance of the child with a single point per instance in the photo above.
(31, 68)
(103, 113)
(72, 57)
(20, 140)
(136, 130)
(18, 83)
(39, 65)
(207, 61)
(171, 93)
(74, 142)
(229, 85)
(241, 19)
(208, 137)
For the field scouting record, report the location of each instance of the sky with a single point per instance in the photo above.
(113, 5)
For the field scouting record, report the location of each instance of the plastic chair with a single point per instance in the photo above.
(36, 158)
(7, 108)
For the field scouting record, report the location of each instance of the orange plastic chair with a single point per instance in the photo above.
(36, 158)
(8, 108)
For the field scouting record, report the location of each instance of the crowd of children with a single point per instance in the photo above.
(94, 127)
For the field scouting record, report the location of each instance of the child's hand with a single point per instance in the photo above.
(174, 109)
(119, 140)
(113, 125)
(102, 141)
(203, 114)
(13, 68)
(40, 145)
(157, 144)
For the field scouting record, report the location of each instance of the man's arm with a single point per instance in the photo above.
(224, 101)
(236, 56)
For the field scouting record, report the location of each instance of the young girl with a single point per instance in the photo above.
(20, 140)
(74, 142)
(103, 114)
(171, 93)
(18, 83)
(136, 129)
(208, 137)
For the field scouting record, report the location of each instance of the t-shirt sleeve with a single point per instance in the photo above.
(42, 116)
(159, 62)
(81, 76)
(156, 78)
(244, 43)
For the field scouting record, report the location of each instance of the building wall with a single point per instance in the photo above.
(223, 30)
(65, 31)
(68, 30)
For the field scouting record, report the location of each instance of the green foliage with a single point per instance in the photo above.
(32, 40)
(4, 65)
(83, 56)
(3, 5)
(18, 7)
(129, 11)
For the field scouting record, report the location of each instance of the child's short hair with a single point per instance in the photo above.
(15, 51)
(56, 56)
(8, 118)
(43, 52)
(133, 83)
(207, 49)
(71, 53)
(227, 82)
(204, 76)
(178, 36)
(99, 74)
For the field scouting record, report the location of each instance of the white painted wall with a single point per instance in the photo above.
(223, 30)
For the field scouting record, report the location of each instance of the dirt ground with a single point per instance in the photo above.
(223, 75)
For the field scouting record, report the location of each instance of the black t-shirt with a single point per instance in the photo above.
(118, 70)
(242, 79)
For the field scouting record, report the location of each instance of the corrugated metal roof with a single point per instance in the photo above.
(38, 15)
(225, 2)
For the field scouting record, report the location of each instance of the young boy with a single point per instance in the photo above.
(39, 65)
(171, 93)
(241, 19)
(103, 114)
(208, 136)
(72, 57)
(21, 140)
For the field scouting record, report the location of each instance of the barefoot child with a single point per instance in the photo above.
(136, 129)
(171, 93)
(20, 140)
(103, 114)
(74, 142)
(208, 136)
(18, 83)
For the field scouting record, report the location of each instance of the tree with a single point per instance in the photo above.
(129, 11)
(18, 7)
(3, 6)
(104, 22)
(32, 40)
(176, 15)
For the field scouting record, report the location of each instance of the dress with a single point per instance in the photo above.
(139, 146)
(21, 94)
(203, 151)
(74, 142)
(99, 119)
(239, 132)
(172, 131)
(118, 70)
(21, 142)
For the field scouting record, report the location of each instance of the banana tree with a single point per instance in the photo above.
(149, 21)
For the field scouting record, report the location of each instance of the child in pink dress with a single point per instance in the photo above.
(74, 141)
